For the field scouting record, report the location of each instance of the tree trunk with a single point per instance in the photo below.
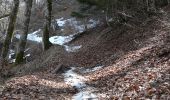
(10, 30)
(47, 25)
(23, 38)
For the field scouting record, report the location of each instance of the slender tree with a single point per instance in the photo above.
(11, 25)
(47, 25)
(23, 38)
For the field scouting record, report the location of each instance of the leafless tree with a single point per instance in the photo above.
(46, 30)
(11, 26)
(23, 38)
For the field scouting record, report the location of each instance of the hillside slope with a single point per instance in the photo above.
(127, 61)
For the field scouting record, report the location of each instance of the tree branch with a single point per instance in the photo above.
(3, 16)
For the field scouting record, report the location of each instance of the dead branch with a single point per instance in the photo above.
(3, 16)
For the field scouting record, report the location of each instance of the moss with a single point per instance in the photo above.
(19, 58)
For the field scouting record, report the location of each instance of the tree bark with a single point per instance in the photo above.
(47, 25)
(23, 38)
(12, 18)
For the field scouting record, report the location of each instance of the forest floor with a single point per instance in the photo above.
(129, 61)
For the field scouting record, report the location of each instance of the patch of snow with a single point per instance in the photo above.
(32, 36)
(62, 29)
(11, 56)
(72, 78)
(78, 26)
(85, 96)
(78, 81)
(12, 61)
(61, 40)
(17, 36)
(28, 55)
(72, 48)
(111, 20)
(93, 69)
(92, 23)
(11, 53)
(61, 22)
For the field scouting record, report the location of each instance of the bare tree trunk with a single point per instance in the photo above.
(23, 38)
(46, 30)
(10, 30)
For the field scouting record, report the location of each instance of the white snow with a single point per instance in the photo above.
(60, 40)
(17, 36)
(92, 23)
(32, 36)
(73, 23)
(74, 79)
(93, 69)
(78, 81)
(61, 22)
(78, 26)
(28, 55)
(12, 61)
(11, 52)
(85, 96)
(72, 48)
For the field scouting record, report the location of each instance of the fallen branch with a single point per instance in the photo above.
(124, 14)
(3, 16)
(57, 68)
